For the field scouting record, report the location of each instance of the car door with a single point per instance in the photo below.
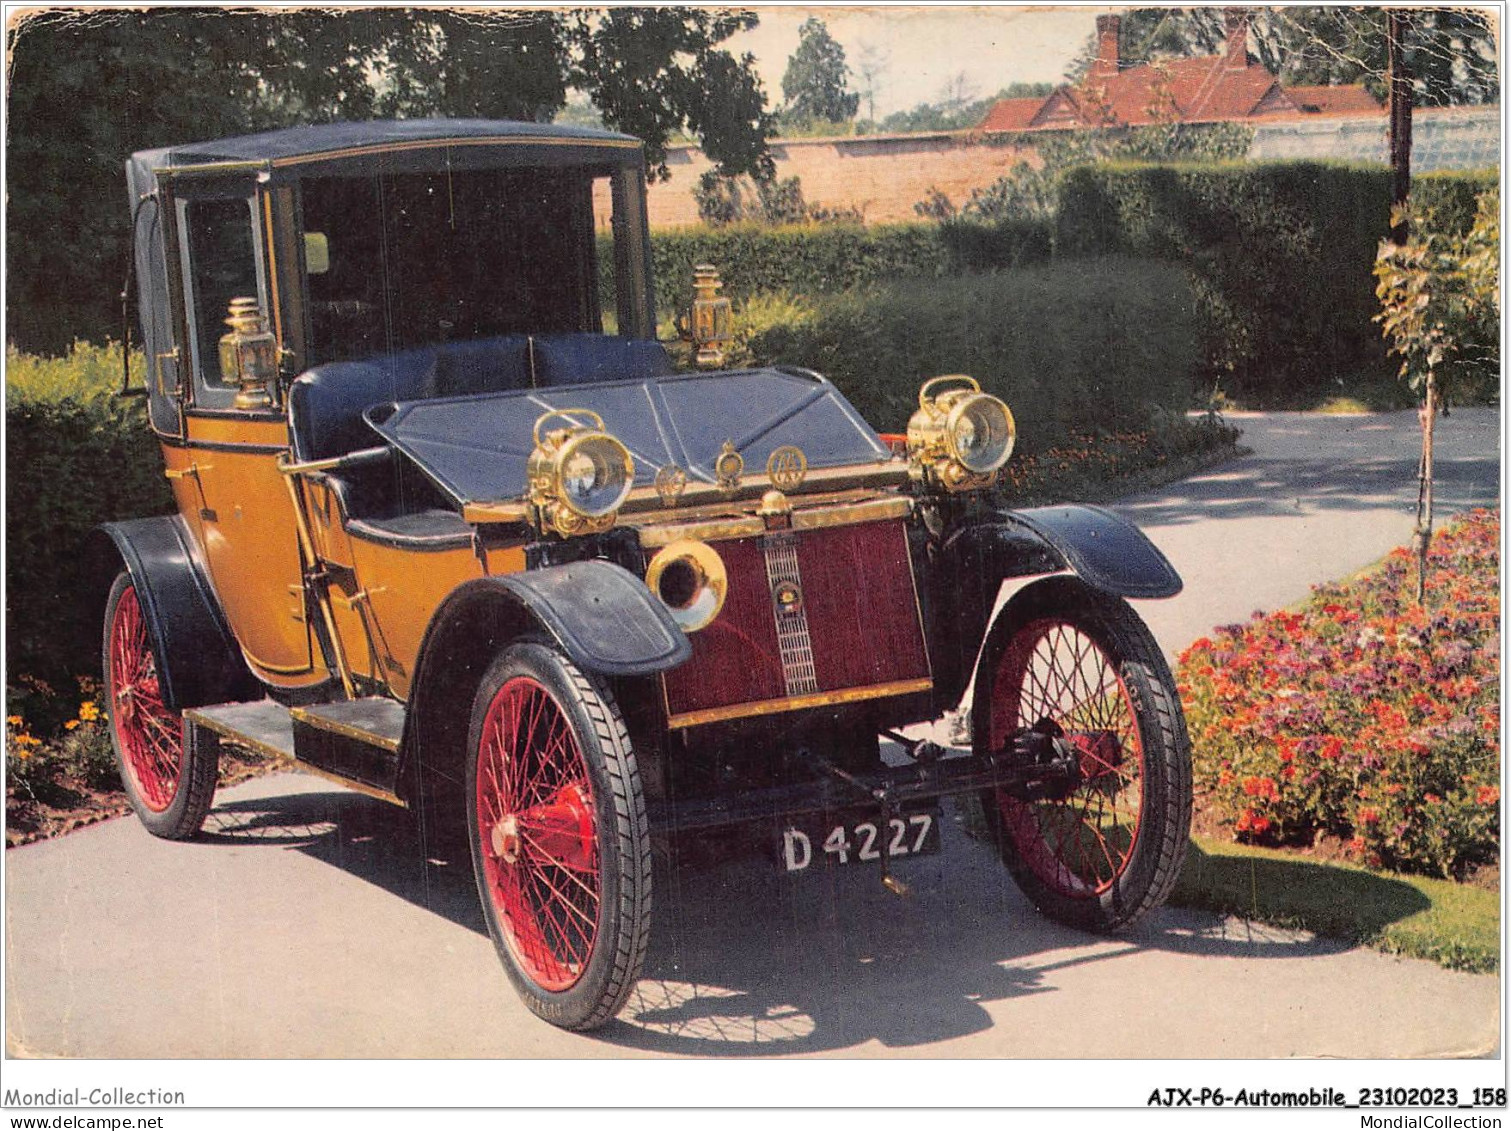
(239, 504)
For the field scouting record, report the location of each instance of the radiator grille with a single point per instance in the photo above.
(811, 617)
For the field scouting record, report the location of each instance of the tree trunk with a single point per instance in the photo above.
(1424, 486)
(1399, 84)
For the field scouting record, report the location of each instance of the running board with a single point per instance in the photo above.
(354, 742)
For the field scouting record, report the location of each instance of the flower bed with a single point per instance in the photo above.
(1362, 716)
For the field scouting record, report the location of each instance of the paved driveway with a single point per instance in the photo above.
(307, 923)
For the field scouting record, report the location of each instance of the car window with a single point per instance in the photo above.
(222, 246)
(398, 261)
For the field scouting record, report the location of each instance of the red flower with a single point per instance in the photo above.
(1488, 795)
(1369, 815)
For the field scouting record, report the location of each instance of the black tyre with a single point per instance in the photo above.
(1105, 850)
(560, 840)
(169, 774)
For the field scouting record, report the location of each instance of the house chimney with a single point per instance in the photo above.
(1236, 33)
(1108, 57)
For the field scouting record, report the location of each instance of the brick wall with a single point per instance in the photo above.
(882, 176)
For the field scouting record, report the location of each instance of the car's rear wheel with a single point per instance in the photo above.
(560, 839)
(169, 778)
(1104, 848)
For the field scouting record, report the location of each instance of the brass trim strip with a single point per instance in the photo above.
(450, 143)
(797, 703)
(345, 730)
(241, 738)
(849, 514)
(643, 499)
(270, 255)
(211, 167)
(811, 518)
(350, 783)
(709, 530)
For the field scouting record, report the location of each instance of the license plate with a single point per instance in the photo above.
(858, 840)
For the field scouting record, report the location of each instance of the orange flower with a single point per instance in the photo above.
(1488, 795)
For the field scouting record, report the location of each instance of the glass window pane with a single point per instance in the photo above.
(222, 266)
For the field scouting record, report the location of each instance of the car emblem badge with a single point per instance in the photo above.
(671, 481)
(728, 467)
(787, 467)
(788, 597)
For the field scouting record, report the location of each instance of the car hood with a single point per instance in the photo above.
(475, 448)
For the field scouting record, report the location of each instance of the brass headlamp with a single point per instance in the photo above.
(579, 475)
(960, 438)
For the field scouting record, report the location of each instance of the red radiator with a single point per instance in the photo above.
(811, 618)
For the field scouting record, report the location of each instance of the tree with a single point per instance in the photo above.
(872, 63)
(952, 114)
(814, 84)
(1451, 51)
(89, 87)
(1439, 294)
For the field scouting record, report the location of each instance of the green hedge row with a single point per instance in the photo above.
(826, 258)
(1096, 343)
(1279, 255)
(72, 461)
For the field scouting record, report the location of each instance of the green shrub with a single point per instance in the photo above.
(75, 456)
(1088, 344)
(814, 259)
(1363, 716)
(1280, 257)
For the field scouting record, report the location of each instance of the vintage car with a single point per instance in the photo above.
(452, 529)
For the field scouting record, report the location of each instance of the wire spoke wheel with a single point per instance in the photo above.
(148, 735)
(169, 773)
(540, 843)
(1081, 843)
(1103, 849)
(559, 836)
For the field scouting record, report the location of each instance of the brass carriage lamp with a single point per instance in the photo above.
(709, 322)
(249, 354)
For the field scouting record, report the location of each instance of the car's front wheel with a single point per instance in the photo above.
(169, 778)
(559, 835)
(1103, 848)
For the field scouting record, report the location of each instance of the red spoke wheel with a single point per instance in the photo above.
(1101, 850)
(560, 840)
(169, 779)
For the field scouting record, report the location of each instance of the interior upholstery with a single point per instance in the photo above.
(392, 500)
(579, 359)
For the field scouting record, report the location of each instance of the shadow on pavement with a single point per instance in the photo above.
(746, 961)
(1260, 488)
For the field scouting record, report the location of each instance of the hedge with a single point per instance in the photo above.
(827, 258)
(1279, 256)
(75, 456)
(1093, 343)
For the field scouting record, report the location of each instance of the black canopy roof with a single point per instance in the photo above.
(357, 142)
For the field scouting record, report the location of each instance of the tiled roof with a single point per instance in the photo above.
(1011, 114)
(1335, 100)
(1204, 89)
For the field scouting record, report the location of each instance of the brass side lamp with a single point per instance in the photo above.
(249, 355)
(709, 322)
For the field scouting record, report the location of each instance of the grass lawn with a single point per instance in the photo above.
(1456, 925)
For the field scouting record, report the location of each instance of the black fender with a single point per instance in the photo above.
(1105, 551)
(198, 658)
(600, 614)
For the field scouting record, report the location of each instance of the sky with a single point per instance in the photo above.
(926, 48)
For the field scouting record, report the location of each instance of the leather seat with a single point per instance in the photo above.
(579, 359)
(388, 499)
